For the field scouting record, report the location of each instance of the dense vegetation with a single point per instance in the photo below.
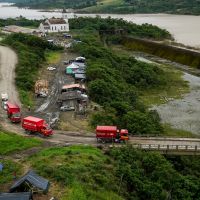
(148, 175)
(31, 55)
(76, 4)
(20, 21)
(159, 6)
(124, 173)
(11, 142)
(114, 81)
(109, 24)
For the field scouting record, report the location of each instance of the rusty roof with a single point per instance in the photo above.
(57, 21)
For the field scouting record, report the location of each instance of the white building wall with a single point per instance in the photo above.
(59, 28)
(55, 27)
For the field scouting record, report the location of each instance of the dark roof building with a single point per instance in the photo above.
(16, 196)
(57, 21)
(31, 182)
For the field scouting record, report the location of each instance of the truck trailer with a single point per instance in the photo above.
(111, 134)
(36, 125)
(13, 112)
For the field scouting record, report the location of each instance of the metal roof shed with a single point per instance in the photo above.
(16, 196)
(31, 182)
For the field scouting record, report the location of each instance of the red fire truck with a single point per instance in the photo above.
(34, 124)
(13, 112)
(111, 134)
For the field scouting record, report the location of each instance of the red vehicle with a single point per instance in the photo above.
(111, 134)
(34, 124)
(13, 112)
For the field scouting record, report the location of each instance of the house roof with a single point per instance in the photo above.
(65, 87)
(16, 196)
(57, 21)
(33, 179)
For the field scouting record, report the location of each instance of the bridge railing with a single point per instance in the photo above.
(163, 136)
(158, 147)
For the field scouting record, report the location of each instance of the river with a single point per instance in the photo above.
(184, 28)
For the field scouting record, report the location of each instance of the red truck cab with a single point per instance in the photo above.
(13, 112)
(34, 124)
(110, 134)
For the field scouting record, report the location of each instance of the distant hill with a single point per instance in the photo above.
(47, 4)
(147, 6)
(117, 6)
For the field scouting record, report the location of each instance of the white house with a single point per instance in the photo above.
(54, 25)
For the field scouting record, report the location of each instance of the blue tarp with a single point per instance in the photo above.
(1, 167)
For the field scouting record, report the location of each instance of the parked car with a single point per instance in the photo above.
(51, 68)
(42, 94)
(4, 96)
(66, 62)
(67, 108)
(4, 105)
(67, 35)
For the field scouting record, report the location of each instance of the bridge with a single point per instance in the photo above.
(171, 146)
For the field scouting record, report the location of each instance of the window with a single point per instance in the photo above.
(61, 28)
(52, 28)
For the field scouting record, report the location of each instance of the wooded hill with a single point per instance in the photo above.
(147, 6)
(76, 4)
(117, 6)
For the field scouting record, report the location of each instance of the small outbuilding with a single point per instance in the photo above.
(16, 196)
(31, 182)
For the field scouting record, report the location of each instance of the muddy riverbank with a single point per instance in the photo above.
(184, 113)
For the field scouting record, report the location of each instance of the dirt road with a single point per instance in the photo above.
(8, 61)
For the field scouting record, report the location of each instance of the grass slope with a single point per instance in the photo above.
(87, 173)
(10, 143)
(83, 172)
(10, 169)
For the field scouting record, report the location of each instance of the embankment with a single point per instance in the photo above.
(175, 54)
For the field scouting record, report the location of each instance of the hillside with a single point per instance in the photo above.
(85, 172)
(50, 4)
(146, 6)
(117, 6)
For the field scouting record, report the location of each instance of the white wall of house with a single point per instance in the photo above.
(53, 28)
(59, 28)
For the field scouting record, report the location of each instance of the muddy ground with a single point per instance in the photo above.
(184, 113)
